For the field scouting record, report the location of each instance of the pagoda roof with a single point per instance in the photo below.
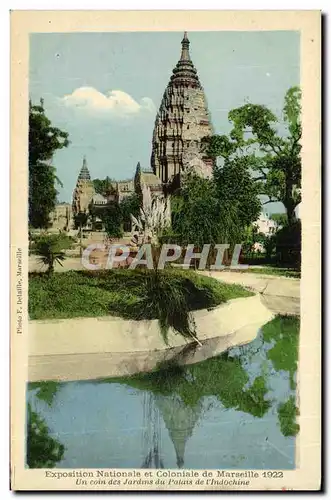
(84, 173)
(185, 73)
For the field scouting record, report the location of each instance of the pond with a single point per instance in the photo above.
(233, 411)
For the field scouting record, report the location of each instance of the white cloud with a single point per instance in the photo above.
(114, 102)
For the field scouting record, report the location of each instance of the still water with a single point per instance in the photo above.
(225, 412)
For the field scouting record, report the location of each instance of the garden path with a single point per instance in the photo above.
(280, 294)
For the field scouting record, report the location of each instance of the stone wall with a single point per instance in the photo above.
(91, 348)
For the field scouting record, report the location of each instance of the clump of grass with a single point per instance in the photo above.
(287, 413)
(169, 300)
(125, 293)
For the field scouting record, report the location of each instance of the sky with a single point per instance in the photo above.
(104, 89)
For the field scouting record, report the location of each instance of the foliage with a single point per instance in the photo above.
(280, 219)
(46, 390)
(237, 190)
(118, 292)
(284, 331)
(43, 451)
(104, 186)
(222, 377)
(112, 219)
(288, 245)
(44, 141)
(50, 250)
(251, 236)
(270, 245)
(274, 157)
(130, 205)
(287, 413)
(199, 215)
(253, 399)
(80, 220)
(227, 377)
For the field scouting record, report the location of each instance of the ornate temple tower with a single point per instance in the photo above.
(84, 190)
(181, 123)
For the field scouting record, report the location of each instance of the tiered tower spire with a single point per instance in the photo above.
(84, 173)
(84, 190)
(181, 123)
(185, 73)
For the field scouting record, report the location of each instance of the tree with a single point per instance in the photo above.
(104, 186)
(194, 212)
(280, 219)
(200, 215)
(130, 205)
(44, 141)
(80, 221)
(50, 250)
(112, 219)
(288, 245)
(251, 237)
(274, 157)
(236, 188)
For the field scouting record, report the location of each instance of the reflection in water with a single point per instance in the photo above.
(151, 439)
(235, 410)
(43, 451)
(180, 420)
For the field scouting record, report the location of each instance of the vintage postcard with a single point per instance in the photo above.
(165, 246)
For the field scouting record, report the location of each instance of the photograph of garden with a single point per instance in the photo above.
(164, 250)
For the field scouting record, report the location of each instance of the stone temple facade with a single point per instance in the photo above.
(181, 123)
(85, 199)
(84, 190)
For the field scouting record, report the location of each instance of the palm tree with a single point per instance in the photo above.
(50, 250)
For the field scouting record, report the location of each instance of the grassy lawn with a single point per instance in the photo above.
(273, 271)
(119, 293)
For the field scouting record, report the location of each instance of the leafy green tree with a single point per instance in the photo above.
(273, 156)
(44, 141)
(130, 205)
(251, 236)
(280, 219)
(50, 250)
(200, 215)
(104, 186)
(236, 188)
(288, 245)
(112, 219)
(194, 211)
(43, 451)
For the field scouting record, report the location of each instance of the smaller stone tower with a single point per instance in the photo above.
(84, 190)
